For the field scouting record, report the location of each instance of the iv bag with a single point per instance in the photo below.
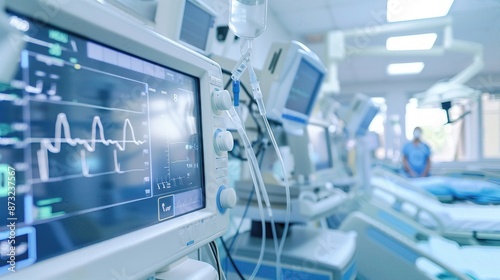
(248, 18)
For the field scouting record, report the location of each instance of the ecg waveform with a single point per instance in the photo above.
(62, 125)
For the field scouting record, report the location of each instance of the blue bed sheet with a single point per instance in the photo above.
(461, 189)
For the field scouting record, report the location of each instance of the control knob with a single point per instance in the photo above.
(221, 100)
(223, 142)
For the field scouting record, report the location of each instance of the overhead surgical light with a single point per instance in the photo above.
(445, 91)
(403, 10)
(405, 68)
(412, 16)
(455, 90)
(446, 94)
(411, 42)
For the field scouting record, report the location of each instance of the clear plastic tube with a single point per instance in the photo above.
(233, 114)
(288, 199)
(243, 64)
(263, 190)
(257, 93)
(256, 178)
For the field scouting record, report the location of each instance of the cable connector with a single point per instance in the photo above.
(236, 93)
(256, 91)
(241, 66)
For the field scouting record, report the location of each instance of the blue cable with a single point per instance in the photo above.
(236, 92)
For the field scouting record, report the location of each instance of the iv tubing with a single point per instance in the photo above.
(287, 194)
(260, 103)
(251, 156)
(238, 70)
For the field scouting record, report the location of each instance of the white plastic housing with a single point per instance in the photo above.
(278, 75)
(139, 254)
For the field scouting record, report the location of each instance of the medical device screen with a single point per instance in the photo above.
(368, 113)
(196, 24)
(100, 143)
(304, 88)
(319, 150)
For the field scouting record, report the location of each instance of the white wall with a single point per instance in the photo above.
(396, 106)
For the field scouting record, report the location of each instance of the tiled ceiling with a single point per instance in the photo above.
(473, 20)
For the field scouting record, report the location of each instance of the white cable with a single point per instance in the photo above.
(208, 248)
(263, 190)
(236, 74)
(257, 93)
(220, 264)
(243, 64)
(288, 199)
(253, 162)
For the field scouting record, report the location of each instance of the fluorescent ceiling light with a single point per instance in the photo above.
(405, 68)
(402, 10)
(411, 42)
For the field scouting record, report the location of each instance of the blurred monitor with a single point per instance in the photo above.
(190, 22)
(358, 115)
(290, 82)
(312, 152)
(101, 130)
(319, 146)
(372, 141)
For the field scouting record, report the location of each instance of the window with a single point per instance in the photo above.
(445, 140)
(491, 125)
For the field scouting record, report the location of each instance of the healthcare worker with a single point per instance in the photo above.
(416, 156)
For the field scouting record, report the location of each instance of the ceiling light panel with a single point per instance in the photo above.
(411, 42)
(405, 68)
(403, 10)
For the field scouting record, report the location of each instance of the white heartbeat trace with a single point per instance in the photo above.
(61, 125)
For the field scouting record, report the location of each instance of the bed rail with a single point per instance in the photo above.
(383, 253)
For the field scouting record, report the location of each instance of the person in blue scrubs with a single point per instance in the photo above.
(416, 156)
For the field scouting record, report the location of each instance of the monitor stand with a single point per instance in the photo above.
(188, 269)
(309, 253)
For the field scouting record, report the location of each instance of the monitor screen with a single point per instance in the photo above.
(196, 24)
(319, 148)
(100, 143)
(368, 116)
(304, 88)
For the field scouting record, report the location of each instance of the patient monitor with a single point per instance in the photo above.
(357, 118)
(290, 81)
(358, 115)
(320, 150)
(119, 157)
(195, 28)
(188, 22)
(311, 152)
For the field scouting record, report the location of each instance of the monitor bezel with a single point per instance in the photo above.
(126, 255)
(277, 80)
(292, 115)
(327, 139)
(169, 11)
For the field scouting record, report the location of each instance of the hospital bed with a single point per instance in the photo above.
(451, 185)
(457, 187)
(473, 169)
(415, 253)
(464, 222)
(485, 175)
